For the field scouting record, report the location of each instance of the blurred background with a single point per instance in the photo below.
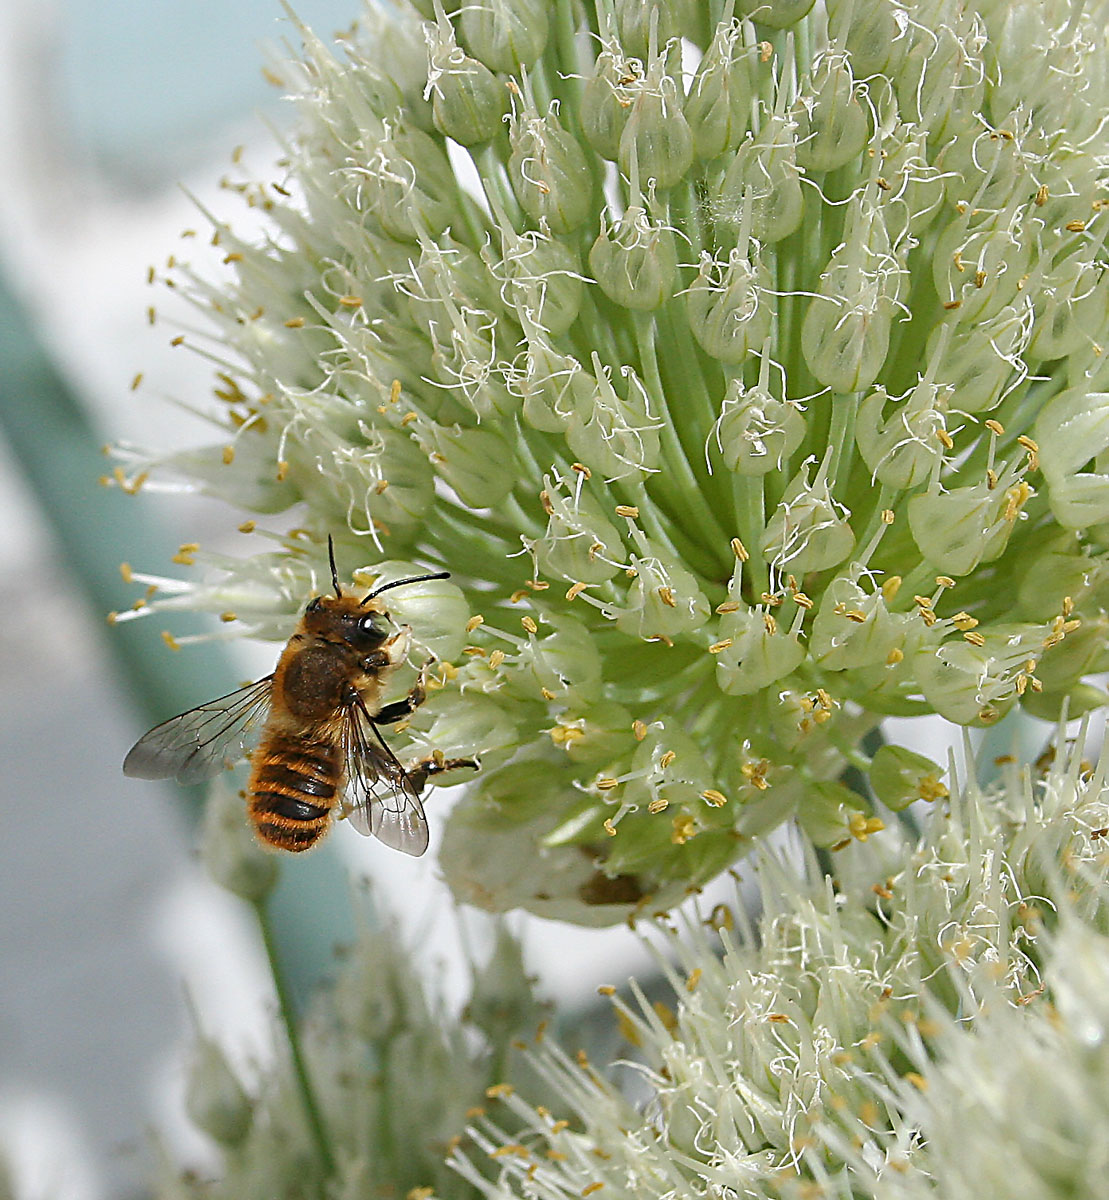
(112, 114)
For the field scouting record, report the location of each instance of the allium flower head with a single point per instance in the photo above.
(933, 1023)
(743, 363)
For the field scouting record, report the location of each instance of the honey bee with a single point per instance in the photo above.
(316, 724)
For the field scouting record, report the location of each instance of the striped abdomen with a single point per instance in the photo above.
(294, 784)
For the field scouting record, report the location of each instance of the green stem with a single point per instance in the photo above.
(292, 1032)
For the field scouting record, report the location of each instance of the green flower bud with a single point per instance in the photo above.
(581, 545)
(606, 99)
(564, 663)
(386, 484)
(505, 34)
(595, 735)
(982, 361)
(656, 143)
(471, 725)
(976, 684)
(468, 101)
(554, 386)
(902, 449)
(854, 628)
(543, 281)
(726, 314)
(640, 21)
(759, 652)
(233, 856)
(620, 437)
(831, 815)
(960, 528)
(869, 31)
(1072, 429)
(1072, 309)
(549, 172)
(408, 185)
(755, 432)
(477, 463)
(214, 1098)
(776, 14)
(979, 267)
(900, 777)
(762, 185)
(664, 601)
(832, 127)
(718, 105)
(634, 260)
(808, 531)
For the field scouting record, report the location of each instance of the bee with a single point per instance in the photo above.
(315, 727)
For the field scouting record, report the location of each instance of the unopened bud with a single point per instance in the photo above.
(832, 127)
(214, 1098)
(729, 307)
(549, 173)
(756, 432)
(233, 856)
(505, 34)
(718, 105)
(468, 101)
(900, 777)
(759, 652)
(634, 260)
(808, 531)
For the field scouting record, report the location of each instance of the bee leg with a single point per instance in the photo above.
(400, 709)
(435, 764)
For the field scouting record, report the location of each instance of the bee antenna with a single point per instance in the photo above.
(334, 572)
(402, 582)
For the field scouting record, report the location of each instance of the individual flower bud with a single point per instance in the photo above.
(868, 31)
(900, 777)
(549, 172)
(1079, 700)
(1071, 310)
(554, 386)
(978, 267)
(1055, 572)
(1078, 652)
(477, 463)
(957, 529)
(755, 432)
(981, 362)
(581, 544)
(758, 651)
(718, 105)
(729, 307)
(435, 608)
(764, 176)
(902, 449)
(832, 127)
(594, 734)
(620, 438)
(853, 626)
(1072, 429)
(638, 21)
(233, 856)
(564, 663)
(388, 480)
(471, 726)
(505, 34)
(634, 260)
(215, 1100)
(830, 814)
(663, 601)
(407, 185)
(846, 330)
(468, 101)
(808, 531)
(606, 99)
(543, 281)
(977, 684)
(939, 75)
(982, 169)
(657, 143)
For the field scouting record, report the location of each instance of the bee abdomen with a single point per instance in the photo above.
(292, 790)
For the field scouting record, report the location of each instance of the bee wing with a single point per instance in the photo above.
(381, 799)
(197, 744)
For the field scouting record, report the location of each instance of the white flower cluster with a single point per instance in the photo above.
(932, 1023)
(743, 361)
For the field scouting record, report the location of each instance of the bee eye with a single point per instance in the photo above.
(314, 605)
(372, 625)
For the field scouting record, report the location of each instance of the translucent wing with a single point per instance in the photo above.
(381, 799)
(197, 744)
